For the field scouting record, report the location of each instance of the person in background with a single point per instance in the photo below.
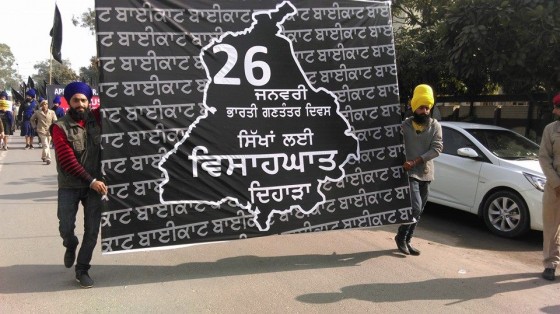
(37, 108)
(59, 111)
(422, 142)
(77, 144)
(25, 112)
(6, 119)
(15, 110)
(1, 132)
(41, 122)
(549, 154)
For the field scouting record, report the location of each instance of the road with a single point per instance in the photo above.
(462, 268)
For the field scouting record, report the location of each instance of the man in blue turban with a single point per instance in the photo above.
(58, 111)
(25, 112)
(77, 137)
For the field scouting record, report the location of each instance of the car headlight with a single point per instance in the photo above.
(537, 181)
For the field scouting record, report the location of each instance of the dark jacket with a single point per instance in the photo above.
(86, 144)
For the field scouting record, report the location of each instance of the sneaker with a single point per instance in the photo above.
(83, 278)
(48, 162)
(69, 257)
(43, 159)
(26, 146)
(548, 274)
(31, 146)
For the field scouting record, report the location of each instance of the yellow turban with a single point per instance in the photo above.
(423, 96)
(5, 105)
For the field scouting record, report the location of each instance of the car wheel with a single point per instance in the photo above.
(506, 214)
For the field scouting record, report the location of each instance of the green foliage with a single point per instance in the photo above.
(62, 72)
(91, 73)
(477, 46)
(515, 44)
(86, 20)
(8, 73)
(417, 43)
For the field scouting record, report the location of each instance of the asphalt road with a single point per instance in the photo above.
(462, 268)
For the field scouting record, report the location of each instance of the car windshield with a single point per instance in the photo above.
(506, 144)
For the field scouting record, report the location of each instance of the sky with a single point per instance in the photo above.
(26, 19)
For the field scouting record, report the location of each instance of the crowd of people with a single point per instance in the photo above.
(16, 116)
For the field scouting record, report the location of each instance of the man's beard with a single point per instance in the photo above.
(78, 115)
(421, 118)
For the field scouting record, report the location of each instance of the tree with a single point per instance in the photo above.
(62, 72)
(91, 73)
(514, 44)
(417, 43)
(86, 20)
(9, 78)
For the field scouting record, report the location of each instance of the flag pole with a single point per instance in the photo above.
(50, 67)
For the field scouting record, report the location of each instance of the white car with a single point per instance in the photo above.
(492, 172)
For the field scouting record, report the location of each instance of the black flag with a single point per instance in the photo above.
(17, 96)
(55, 81)
(43, 89)
(30, 83)
(56, 34)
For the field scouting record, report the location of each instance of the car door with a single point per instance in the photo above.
(456, 177)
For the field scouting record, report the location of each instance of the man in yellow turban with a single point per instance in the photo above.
(422, 143)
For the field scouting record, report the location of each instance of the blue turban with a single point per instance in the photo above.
(3, 93)
(56, 100)
(31, 92)
(77, 88)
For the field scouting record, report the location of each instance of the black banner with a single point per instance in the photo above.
(247, 118)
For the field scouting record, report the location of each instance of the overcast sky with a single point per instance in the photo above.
(26, 25)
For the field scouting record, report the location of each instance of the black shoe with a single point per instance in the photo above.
(548, 274)
(48, 162)
(83, 278)
(26, 146)
(31, 147)
(401, 245)
(69, 257)
(413, 251)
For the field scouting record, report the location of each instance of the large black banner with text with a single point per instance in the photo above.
(247, 118)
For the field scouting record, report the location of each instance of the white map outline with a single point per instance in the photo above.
(256, 212)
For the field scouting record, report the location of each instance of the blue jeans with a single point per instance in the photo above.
(418, 198)
(68, 202)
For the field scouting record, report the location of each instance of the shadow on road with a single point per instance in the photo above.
(48, 278)
(445, 225)
(40, 196)
(453, 289)
(49, 180)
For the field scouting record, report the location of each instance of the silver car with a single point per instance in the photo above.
(492, 172)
